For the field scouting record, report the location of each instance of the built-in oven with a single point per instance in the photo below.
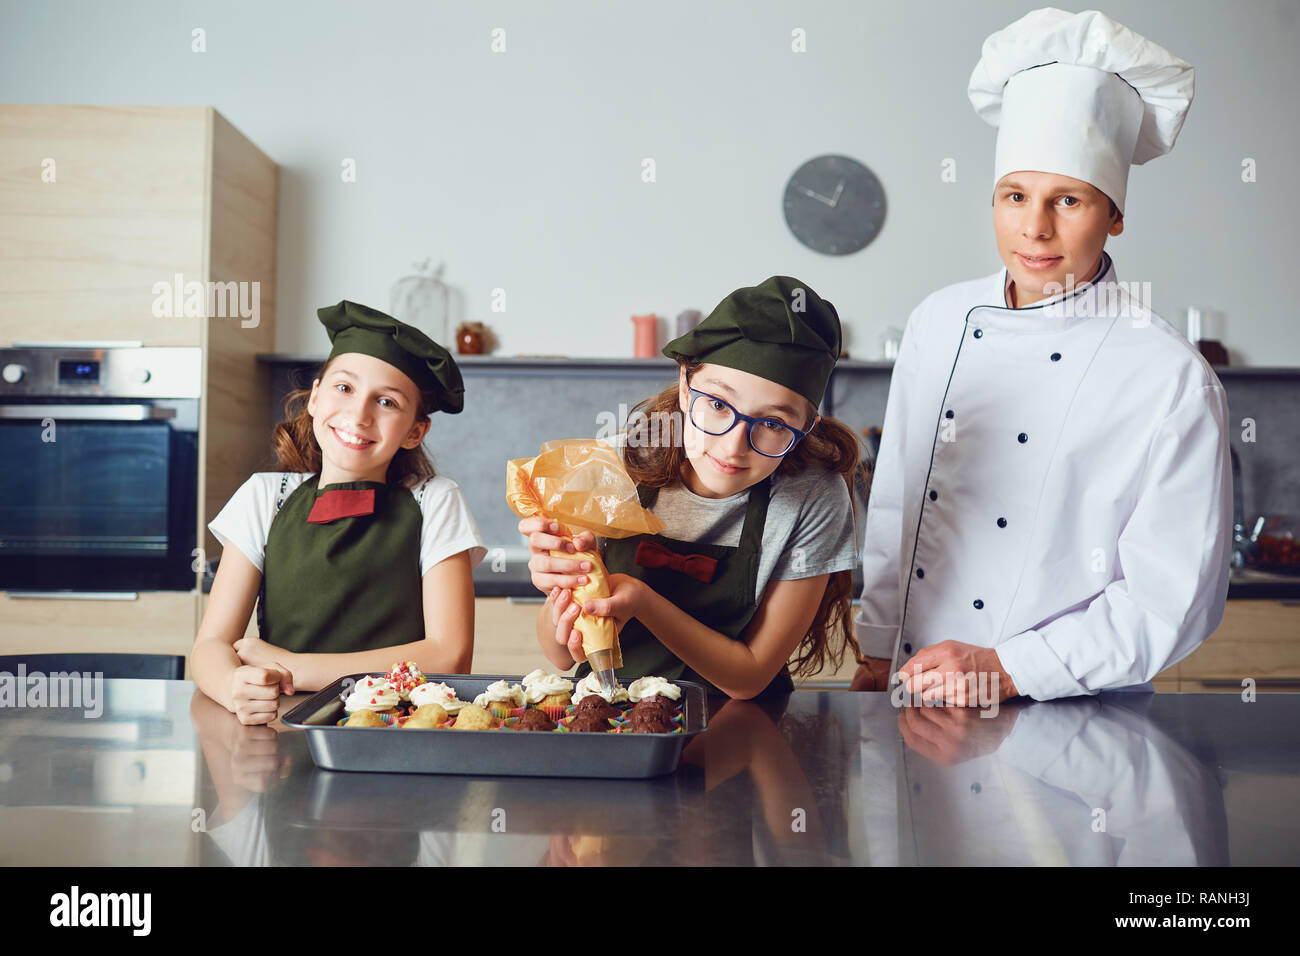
(99, 486)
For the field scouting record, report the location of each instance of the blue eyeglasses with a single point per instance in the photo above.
(767, 436)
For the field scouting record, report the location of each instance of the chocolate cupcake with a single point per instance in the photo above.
(589, 722)
(595, 704)
(655, 705)
(532, 719)
(647, 722)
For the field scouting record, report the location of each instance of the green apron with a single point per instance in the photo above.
(726, 603)
(352, 584)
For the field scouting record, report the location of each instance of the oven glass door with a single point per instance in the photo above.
(97, 505)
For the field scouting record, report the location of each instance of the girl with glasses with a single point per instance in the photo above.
(751, 578)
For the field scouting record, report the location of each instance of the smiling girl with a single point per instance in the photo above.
(355, 553)
(750, 482)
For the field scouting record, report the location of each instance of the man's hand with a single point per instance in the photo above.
(873, 675)
(937, 674)
(953, 735)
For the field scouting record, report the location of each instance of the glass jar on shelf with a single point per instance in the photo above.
(423, 300)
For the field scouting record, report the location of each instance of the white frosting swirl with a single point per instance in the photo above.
(500, 692)
(372, 693)
(591, 685)
(644, 687)
(441, 694)
(542, 685)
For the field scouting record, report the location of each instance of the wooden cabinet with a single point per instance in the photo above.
(1256, 639)
(99, 204)
(505, 636)
(101, 208)
(154, 622)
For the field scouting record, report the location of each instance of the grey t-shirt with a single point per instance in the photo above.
(809, 528)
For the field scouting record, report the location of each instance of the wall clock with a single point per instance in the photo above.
(834, 205)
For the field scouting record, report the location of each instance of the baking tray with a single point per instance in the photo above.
(488, 752)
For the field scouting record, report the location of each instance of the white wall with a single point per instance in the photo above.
(522, 169)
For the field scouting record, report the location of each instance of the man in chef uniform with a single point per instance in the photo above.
(1052, 495)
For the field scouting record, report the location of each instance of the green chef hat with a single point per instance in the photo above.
(359, 328)
(780, 330)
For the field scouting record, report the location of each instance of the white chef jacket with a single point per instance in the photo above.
(1052, 481)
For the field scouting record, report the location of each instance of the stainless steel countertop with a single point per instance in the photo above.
(165, 776)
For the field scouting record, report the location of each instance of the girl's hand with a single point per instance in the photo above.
(254, 650)
(873, 675)
(547, 572)
(564, 612)
(626, 597)
(255, 692)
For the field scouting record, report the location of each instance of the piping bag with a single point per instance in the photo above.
(582, 484)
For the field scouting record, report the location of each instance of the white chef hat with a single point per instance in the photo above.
(1079, 95)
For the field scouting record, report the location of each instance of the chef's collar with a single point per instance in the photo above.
(1008, 282)
(1062, 311)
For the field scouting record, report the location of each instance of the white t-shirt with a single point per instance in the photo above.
(448, 527)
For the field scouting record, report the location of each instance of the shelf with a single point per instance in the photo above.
(547, 362)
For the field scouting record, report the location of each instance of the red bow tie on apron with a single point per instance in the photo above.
(342, 503)
(652, 554)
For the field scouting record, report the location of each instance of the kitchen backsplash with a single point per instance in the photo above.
(513, 405)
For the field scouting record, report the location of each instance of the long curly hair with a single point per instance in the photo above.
(296, 448)
(830, 444)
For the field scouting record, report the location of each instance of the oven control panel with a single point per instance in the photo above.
(100, 372)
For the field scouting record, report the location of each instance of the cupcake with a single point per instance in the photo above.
(432, 711)
(404, 677)
(441, 694)
(588, 722)
(373, 693)
(649, 721)
(365, 718)
(504, 700)
(548, 692)
(656, 708)
(474, 717)
(533, 719)
(595, 704)
(428, 717)
(645, 687)
(590, 685)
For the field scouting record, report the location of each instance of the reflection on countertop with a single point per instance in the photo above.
(166, 776)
